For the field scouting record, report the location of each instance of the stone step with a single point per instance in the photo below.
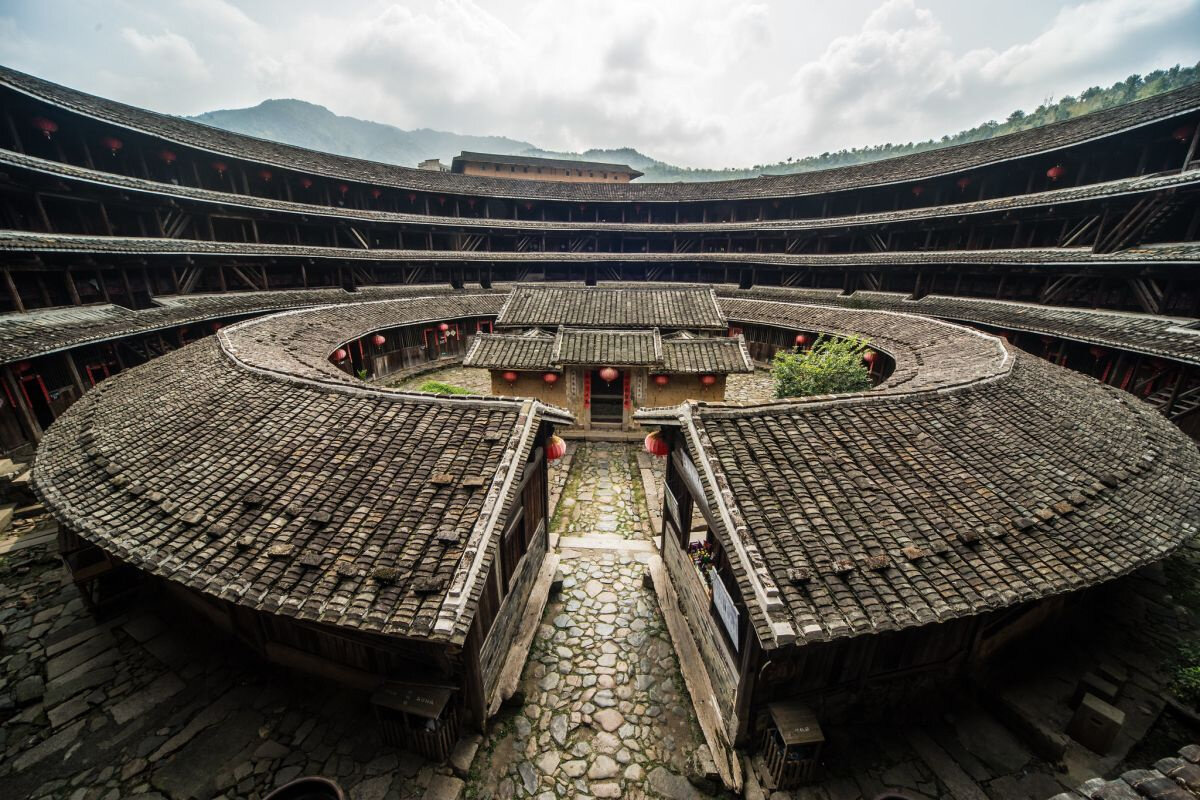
(7, 512)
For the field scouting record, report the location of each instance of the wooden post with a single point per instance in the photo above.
(1191, 151)
(73, 369)
(23, 409)
(13, 294)
(72, 289)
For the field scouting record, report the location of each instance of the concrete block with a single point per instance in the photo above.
(1092, 683)
(1096, 724)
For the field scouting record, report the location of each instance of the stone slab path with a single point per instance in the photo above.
(606, 714)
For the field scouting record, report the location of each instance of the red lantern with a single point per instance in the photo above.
(550, 378)
(869, 356)
(556, 448)
(470, 202)
(379, 339)
(339, 355)
(509, 376)
(656, 445)
(1056, 172)
(343, 188)
(216, 326)
(918, 190)
(609, 374)
(168, 157)
(412, 198)
(377, 193)
(265, 174)
(112, 144)
(708, 380)
(962, 183)
(441, 201)
(1180, 134)
(1096, 351)
(220, 167)
(443, 326)
(306, 183)
(46, 126)
(801, 339)
(24, 366)
(528, 206)
(662, 380)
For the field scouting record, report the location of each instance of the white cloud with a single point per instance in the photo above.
(699, 82)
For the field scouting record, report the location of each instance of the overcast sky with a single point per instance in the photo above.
(696, 82)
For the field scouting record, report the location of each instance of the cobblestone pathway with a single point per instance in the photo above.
(750, 387)
(602, 497)
(476, 381)
(606, 714)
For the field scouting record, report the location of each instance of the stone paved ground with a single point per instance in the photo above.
(750, 387)
(606, 714)
(477, 381)
(137, 707)
(601, 496)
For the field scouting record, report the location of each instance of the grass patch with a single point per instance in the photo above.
(437, 387)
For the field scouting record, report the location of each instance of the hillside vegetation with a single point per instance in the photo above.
(308, 125)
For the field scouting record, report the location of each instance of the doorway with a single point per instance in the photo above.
(608, 398)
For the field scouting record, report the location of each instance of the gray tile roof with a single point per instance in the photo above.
(31, 242)
(919, 166)
(629, 307)
(535, 161)
(621, 347)
(966, 482)
(1055, 197)
(248, 467)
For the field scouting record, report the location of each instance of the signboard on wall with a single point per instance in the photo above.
(726, 609)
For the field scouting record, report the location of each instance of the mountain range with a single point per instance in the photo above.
(308, 125)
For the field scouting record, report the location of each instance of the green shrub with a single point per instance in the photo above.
(1185, 673)
(437, 387)
(832, 366)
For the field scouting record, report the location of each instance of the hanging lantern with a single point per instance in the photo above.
(801, 339)
(609, 374)
(1056, 172)
(343, 188)
(412, 198)
(962, 183)
(556, 448)
(377, 193)
(509, 376)
(1180, 134)
(220, 167)
(918, 190)
(306, 183)
(379, 340)
(265, 174)
(528, 206)
(470, 202)
(24, 366)
(216, 326)
(869, 356)
(441, 201)
(339, 355)
(443, 326)
(708, 380)
(662, 380)
(656, 445)
(1096, 351)
(112, 144)
(46, 126)
(550, 378)
(168, 157)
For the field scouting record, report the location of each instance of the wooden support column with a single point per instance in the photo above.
(1191, 151)
(72, 289)
(73, 370)
(23, 410)
(13, 294)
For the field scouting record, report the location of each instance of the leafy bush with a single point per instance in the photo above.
(437, 387)
(1185, 673)
(830, 367)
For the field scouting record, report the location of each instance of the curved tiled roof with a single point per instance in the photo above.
(602, 307)
(1053, 197)
(965, 483)
(249, 467)
(918, 166)
(30, 242)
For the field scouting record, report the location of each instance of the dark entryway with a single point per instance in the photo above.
(608, 398)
